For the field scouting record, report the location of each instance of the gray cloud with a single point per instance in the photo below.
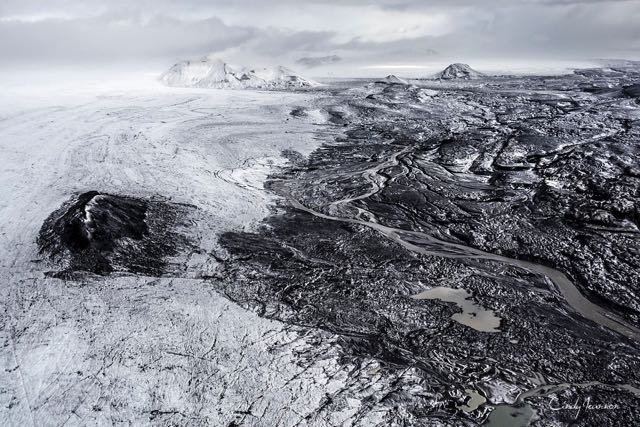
(115, 38)
(316, 61)
(284, 31)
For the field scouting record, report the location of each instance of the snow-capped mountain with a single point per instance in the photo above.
(282, 77)
(212, 73)
(458, 71)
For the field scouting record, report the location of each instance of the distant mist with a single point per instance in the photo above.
(330, 37)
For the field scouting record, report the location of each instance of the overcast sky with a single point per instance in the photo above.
(336, 33)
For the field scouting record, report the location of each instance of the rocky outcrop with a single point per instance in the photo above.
(392, 79)
(459, 71)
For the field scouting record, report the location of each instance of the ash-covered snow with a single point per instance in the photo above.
(209, 72)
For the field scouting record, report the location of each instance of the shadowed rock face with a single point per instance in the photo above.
(102, 233)
(633, 90)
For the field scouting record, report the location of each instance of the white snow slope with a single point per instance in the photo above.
(210, 73)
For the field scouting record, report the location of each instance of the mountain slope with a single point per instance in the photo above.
(392, 79)
(216, 74)
(458, 71)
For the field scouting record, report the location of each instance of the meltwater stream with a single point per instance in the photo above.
(428, 245)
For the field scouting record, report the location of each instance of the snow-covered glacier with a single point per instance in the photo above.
(211, 72)
(140, 349)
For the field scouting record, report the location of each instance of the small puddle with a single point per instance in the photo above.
(510, 416)
(473, 315)
(475, 401)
